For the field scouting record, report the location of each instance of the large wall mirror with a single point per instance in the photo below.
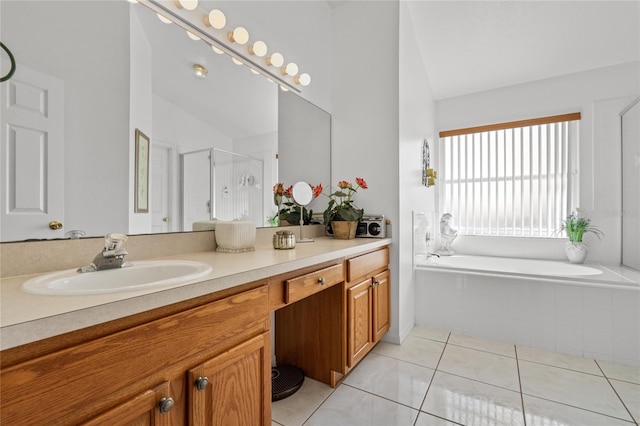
(91, 73)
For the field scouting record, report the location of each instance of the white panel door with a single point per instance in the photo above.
(161, 220)
(32, 155)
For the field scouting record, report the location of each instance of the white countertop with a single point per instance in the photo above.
(26, 318)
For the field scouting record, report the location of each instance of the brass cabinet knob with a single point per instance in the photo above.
(321, 281)
(165, 219)
(54, 224)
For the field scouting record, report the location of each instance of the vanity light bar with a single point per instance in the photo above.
(185, 19)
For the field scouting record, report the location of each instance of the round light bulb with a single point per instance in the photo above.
(303, 79)
(218, 51)
(186, 4)
(291, 69)
(133, 1)
(276, 59)
(192, 36)
(258, 48)
(235, 61)
(215, 19)
(240, 35)
(200, 71)
(163, 19)
(254, 71)
(284, 89)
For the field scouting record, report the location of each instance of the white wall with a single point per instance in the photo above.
(599, 95)
(365, 106)
(140, 116)
(417, 122)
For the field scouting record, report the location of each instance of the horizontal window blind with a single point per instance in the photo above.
(510, 179)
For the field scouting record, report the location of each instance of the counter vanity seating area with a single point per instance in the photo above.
(197, 352)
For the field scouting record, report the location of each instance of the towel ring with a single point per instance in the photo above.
(13, 63)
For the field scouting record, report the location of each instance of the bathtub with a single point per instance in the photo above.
(583, 310)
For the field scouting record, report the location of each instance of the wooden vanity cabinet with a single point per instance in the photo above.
(141, 410)
(336, 324)
(229, 389)
(308, 330)
(132, 376)
(368, 294)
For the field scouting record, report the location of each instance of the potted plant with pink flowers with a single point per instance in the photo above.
(341, 212)
(288, 210)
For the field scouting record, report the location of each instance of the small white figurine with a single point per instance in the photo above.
(447, 235)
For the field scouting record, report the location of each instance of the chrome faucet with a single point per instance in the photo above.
(111, 256)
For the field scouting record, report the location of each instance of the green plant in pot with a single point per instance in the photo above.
(576, 226)
(341, 212)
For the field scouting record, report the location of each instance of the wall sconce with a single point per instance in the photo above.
(210, 28)
(429, 175)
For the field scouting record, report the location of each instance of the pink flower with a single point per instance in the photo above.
(361, 183)
(278, 189)
(317, 190)
(289, 192)
(343, 184)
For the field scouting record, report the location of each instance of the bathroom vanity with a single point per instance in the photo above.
(205, 359)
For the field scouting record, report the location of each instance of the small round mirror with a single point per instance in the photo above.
(302, 193)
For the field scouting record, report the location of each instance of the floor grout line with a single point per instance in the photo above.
(617, 394)
(320, 405)
(631, 419)
(435, 370)
(524, 415)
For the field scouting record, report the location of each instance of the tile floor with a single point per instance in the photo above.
(439, 378)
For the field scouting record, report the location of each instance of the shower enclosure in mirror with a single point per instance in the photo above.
(220, 185)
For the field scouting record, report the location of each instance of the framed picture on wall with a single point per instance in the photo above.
(141, 204)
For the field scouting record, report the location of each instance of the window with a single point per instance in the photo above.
(511, 179)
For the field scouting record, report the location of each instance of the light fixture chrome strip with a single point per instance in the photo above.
(187, 25)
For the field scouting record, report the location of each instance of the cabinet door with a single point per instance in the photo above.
(359, 321)
(381, 305)
(234, 388)
(150, 408)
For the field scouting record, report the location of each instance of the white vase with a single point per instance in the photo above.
(576, 251)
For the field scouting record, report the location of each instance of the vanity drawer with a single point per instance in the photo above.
(367, 263)
(313, 282)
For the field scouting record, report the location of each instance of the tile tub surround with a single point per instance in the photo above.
(49, 316)
(395, 385)
(580, 316)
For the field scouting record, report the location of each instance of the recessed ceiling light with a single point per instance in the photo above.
(200, 71)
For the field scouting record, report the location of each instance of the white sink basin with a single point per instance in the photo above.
(139, 276)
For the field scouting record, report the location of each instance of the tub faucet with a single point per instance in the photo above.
(430, 253)
(111, 256)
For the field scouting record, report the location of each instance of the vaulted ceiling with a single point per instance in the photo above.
(471, 46)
